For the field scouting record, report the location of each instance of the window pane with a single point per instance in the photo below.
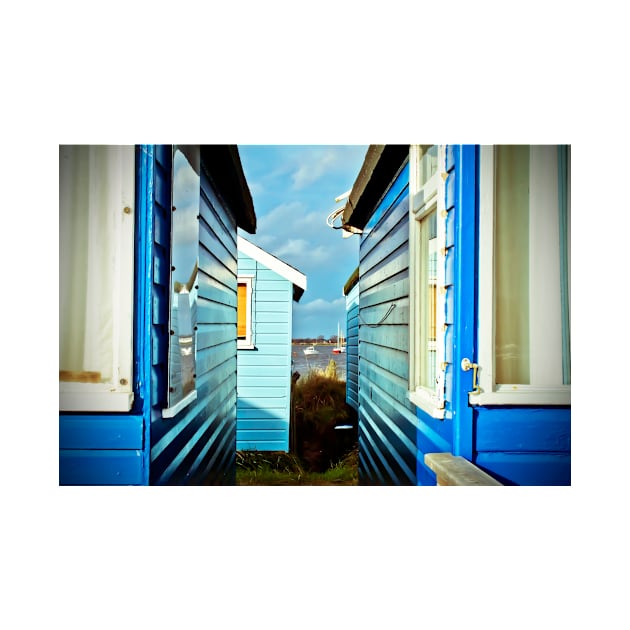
(89, 205)
(512, 264)
(428, 165)
(428, 299)
(242, 310)
(564, 190)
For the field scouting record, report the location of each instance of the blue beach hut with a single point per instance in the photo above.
(351, 293)
(148, 302)
(464, 372)
(267, 289)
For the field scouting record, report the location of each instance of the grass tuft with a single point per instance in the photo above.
(323, 455)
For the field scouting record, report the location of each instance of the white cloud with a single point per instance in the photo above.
(318, 316)
(313, 166)
(300, 238)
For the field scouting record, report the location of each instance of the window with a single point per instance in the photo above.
(426, 279)
(524, 275)
(96, 271)
(244, 313)
(184, 279)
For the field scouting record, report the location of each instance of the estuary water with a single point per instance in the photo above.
(303, 363)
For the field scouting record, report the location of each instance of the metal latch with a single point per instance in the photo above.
(468, 365)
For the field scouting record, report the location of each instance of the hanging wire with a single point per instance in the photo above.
(332, 216)
(391, 308)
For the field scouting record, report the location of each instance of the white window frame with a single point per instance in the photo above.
(116, 395)
(248, 342)
(546, 377)
(423, 199)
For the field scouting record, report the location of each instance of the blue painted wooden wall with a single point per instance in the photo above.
(352, 347)
(198, 445)
(516, 445)
(387, 419)
(264, 373)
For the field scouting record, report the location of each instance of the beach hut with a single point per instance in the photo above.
(464, 314)
(351, 293)
(148, 297)
(267, 288)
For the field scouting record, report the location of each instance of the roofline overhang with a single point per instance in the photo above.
(380, 166)
(297, 278)
(351, 281)
(222, 163)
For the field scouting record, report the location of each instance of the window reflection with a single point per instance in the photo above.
(184, 270)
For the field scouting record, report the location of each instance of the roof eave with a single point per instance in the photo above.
(381, 164)
(222, 164)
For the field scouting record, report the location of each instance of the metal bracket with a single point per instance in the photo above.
(468, 365)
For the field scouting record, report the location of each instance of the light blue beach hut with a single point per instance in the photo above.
(267, 289)
(148, 296)
(464, 371)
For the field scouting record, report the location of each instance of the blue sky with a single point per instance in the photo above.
(294, 189)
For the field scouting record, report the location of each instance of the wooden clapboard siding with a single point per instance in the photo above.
(264, 373)
(198, 445)
(514, 444)
(352, 347)
(524, 446)
(100, 467)
(387, 420)
(121, 432)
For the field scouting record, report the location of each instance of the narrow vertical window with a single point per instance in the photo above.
(564, 202)
(242, 310)
(244, 317)
(428, 300)
(426, 278)
(184, 278)
(512, 263)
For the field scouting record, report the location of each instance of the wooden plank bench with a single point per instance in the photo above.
(452, 470)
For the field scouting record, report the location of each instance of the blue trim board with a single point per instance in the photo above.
(143, 301)
(464, 341)
(100, 467)
(109, 432)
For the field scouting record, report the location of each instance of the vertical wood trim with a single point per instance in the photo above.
(465, 158)
(144, 283)
(564, 202)
(486, 267)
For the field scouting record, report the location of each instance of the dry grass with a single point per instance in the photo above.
(321, 454)
(257, 468)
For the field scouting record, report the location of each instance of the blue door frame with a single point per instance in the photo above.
(465, 158)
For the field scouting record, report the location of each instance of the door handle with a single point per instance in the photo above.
(468, 365)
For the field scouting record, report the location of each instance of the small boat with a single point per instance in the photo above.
(310, 350)
(340, 347)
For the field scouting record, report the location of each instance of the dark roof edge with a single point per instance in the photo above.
(382, 163)
(351, 281)
(222, 163)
